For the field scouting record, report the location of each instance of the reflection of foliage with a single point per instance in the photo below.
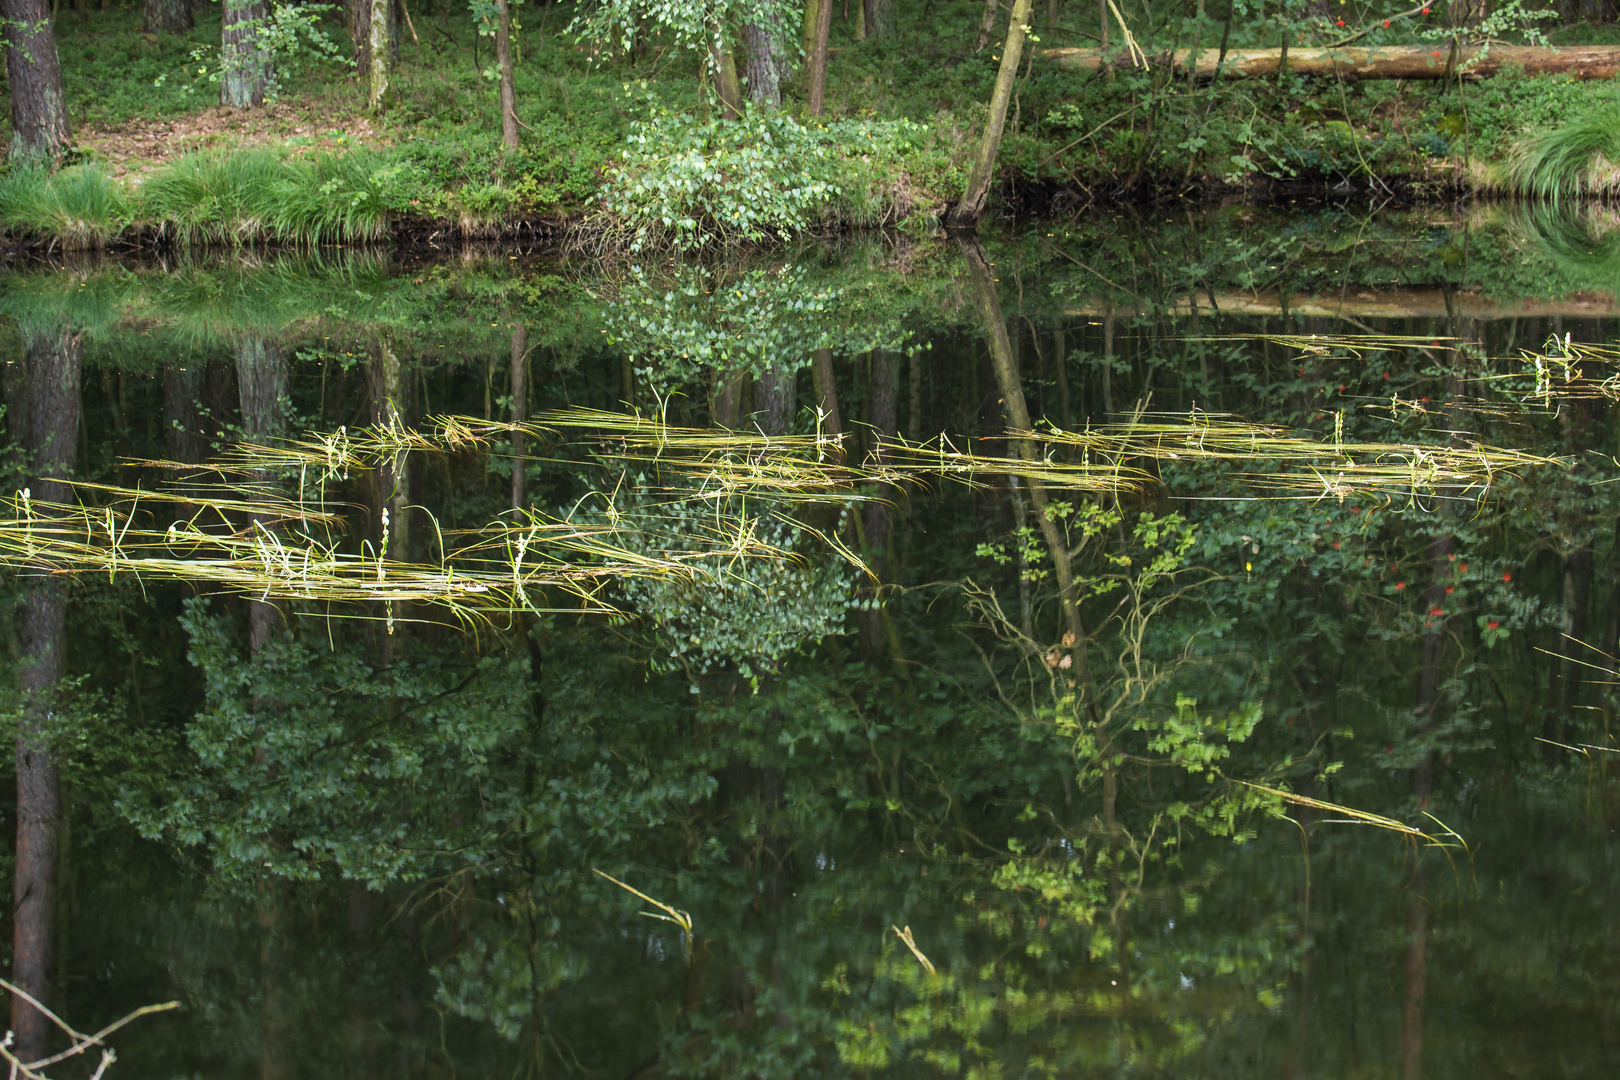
(310, 758)
(748, 611)
(757, 320)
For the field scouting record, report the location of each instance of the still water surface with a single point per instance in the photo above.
(926, 749)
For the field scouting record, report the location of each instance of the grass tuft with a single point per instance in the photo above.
(83, 207)
(1577, 158)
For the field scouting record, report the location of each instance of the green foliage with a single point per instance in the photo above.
(1581, 155)
(238, 198)
(82, 206)
(290, 35)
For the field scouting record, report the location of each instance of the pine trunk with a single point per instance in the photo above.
(44, 416)
(880, 23)
(39, 126)
(968, 210)
(764, 67)
(245, 63)
(167, 16)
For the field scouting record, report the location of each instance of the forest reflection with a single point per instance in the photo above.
(1002, 658)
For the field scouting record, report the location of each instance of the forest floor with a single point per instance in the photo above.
(436, 155)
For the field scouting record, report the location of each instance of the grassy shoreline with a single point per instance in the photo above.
(627, 152)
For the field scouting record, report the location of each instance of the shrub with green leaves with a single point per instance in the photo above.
(685, 182)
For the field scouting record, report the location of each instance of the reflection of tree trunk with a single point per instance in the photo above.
(879, 524)
(261, 379)
(272, 1015)
(44, 417)
(727, 399)
(821, 368)
(776, 392)
(520, 413)
(1017, 413)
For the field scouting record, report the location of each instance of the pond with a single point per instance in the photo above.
(1171, 647)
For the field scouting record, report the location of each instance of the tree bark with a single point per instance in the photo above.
(43, 410)
(966, 212)
(987, 24)
(39, 124)
(880, 23)
(723, 65)
(381, 37)
(1395, 62)
(764, 66)
(167, 16)
(245, 63)
(818, 57)
(503, 58)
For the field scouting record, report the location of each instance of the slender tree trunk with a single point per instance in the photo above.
(818, 57)
(503, 58)
(44, 417)
(966, 212)
(39, 124)
(764, 66)
(382, 55)
(812, 16)
(879, 19)
(167, 16)
(723, 66)
(245, 63)
(520, 413)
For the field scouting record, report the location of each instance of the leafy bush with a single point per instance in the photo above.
(686, 182)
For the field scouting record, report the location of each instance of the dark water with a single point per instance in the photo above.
(358, 838)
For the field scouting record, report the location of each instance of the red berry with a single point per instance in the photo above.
(1507, 577)
(1492, 625)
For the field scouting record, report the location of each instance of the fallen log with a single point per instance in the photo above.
(1409, 303)
(1392, 62)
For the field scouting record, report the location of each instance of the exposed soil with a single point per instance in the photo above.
(138, 146)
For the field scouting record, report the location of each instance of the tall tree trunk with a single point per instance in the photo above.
(503, 60)
(381, 36)
(167, 16)
(723, 66)
(764, 66)
(357, 13)
(987, 24)
(39, 124)
(966, 212)
(818, 57)
(879, 19)
(44, 417)
(244, 62)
